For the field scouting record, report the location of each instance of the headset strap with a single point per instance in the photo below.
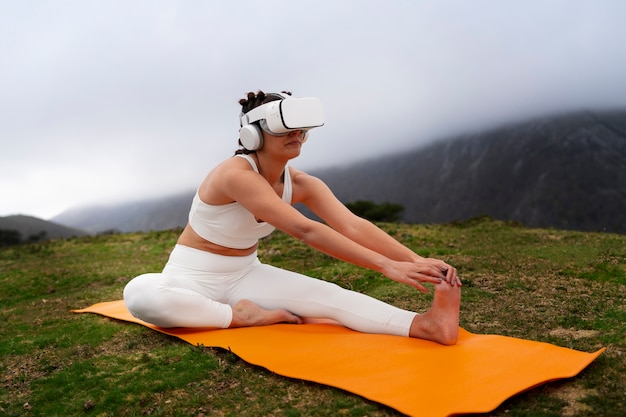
(258, 113)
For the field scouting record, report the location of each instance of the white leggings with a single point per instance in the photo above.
(198, 288)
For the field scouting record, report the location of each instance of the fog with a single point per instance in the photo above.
(107, 101)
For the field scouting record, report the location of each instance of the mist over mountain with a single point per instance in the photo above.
(566, 172)
(152, 214)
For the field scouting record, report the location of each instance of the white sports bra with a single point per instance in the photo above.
(232, 225)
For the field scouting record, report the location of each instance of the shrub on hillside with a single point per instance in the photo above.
(384, 212)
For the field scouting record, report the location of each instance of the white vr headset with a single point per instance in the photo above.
(280, 117)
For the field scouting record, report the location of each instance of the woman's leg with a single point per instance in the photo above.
(150, 298)
(268, 295)
(273, 288)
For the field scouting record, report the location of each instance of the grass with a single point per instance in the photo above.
(561, 287)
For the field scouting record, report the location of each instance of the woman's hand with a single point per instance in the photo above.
(422, 270)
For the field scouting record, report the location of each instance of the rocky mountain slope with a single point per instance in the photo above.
(153, 214)
(567, 172)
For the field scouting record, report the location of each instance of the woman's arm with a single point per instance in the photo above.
(323, 203)
(253, 192)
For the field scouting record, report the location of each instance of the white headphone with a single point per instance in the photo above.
(251, 137)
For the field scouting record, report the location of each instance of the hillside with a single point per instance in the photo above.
(33, 229)
(153, 214)
(561, 287)
(566, 172)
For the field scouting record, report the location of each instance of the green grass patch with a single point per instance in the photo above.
(562, 287)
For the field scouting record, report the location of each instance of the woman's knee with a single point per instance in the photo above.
(139, 293)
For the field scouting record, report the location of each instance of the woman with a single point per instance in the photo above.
(214, 279)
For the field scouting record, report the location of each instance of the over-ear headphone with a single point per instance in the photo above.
(251, 137)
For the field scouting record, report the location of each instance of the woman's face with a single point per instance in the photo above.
(288, 145)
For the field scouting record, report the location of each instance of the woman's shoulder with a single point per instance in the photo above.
(223, 176)
(234, 162)
(306, 185)
(298, 176)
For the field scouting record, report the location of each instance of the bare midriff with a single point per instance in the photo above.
(191, 239)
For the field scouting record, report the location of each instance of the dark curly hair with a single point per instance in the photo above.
(251, 101)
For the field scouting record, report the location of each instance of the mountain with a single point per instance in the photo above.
(566, 172)
(34, 229)
(152, 214)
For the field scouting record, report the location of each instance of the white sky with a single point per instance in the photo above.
(113, 100)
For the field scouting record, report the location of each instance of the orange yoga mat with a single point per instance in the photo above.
(415, 377)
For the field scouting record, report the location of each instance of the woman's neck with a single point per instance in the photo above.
(270, 168)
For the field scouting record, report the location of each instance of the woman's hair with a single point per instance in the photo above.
(251, 101)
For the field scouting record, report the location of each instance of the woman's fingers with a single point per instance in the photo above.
(428, 276)
(440, 269)
(416, 284)
(427, 270)
(452, 277)
(414, 279)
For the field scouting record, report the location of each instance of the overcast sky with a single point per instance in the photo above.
(113, 100)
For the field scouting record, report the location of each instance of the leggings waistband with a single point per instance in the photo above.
(207, 261)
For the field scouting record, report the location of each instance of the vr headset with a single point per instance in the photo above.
(279, 117)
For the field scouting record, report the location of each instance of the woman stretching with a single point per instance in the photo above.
(214, 279)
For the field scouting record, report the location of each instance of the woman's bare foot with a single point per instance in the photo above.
(441, 323)
(247, 314)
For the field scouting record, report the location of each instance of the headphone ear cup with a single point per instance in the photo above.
(251, 137)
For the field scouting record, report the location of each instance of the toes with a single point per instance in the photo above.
(293, 319)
